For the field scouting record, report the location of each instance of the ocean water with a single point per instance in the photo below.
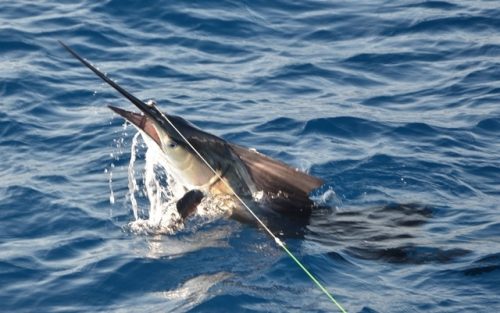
(395, 104)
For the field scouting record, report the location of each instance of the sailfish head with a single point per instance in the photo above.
(152, 125)
(169, 133)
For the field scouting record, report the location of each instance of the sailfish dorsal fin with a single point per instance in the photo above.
(275, 176)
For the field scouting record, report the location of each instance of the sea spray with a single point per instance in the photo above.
(132, 183)
(158, 187)
(162, 192)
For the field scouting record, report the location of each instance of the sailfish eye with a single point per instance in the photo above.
(171, 144)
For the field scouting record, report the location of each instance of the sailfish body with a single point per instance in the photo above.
(205, 164)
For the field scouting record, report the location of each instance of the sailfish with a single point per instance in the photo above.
(207, 165)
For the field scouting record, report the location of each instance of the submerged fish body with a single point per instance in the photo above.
(205, 164)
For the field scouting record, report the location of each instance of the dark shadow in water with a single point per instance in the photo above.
(350, 224)
(392, 233)
(484, 265)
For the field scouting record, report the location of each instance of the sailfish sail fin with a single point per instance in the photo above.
(277, 178)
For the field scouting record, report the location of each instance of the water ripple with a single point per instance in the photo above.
(393, 105)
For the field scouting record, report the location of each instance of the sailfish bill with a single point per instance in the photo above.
(282, 190)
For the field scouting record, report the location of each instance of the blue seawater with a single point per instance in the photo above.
(395, 104)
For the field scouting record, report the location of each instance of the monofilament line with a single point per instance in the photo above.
(276, 239)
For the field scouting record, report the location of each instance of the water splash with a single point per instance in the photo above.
(162, 192)
(132, 184)
(328, 198)
(115, 156)
(110, 183)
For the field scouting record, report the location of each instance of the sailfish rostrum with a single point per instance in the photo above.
(284, 191)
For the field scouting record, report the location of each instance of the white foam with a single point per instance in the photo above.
(329, 198)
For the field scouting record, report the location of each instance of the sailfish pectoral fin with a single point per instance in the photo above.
(188, 203)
